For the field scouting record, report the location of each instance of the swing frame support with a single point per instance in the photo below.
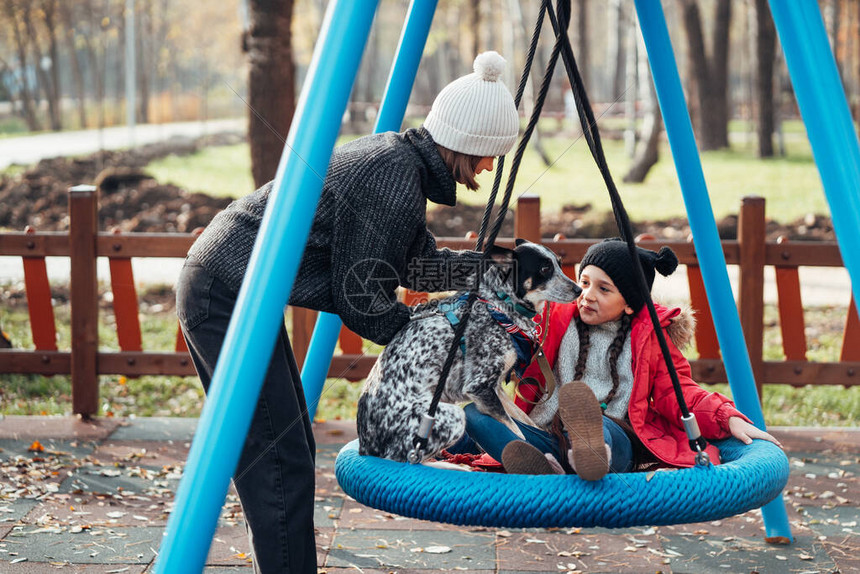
(272, 268)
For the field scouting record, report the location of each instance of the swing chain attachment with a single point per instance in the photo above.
(697, 442)
(416, 455)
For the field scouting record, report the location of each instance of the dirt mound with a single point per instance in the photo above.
(132, 201)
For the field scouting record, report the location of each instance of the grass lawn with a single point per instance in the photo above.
(182, 396)
(791, 185)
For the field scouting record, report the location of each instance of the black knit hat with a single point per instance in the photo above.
(613, 257)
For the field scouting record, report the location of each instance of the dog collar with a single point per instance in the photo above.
(521, 309)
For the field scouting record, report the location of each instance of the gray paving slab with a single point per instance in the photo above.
(832, 465)
(326, 511)
(68, 568)
(14, 510)
(112, 480)
(837, 522)
(729, 554)
(326, 455)
(11, 448)
(440, 550)
(156, 428)
(96, 546)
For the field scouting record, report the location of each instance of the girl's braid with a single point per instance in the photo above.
(614, 350)
(584, 343)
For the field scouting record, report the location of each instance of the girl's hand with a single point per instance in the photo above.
(746, 432)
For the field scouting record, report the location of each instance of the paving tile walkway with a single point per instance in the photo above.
(94, 497)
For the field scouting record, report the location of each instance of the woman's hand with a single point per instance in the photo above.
(745, 432)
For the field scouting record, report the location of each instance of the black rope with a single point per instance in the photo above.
(500, 165)
(592, 137)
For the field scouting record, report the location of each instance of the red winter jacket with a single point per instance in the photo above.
(653, 411)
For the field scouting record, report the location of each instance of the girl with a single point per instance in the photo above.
(621, 411)
(368, 236)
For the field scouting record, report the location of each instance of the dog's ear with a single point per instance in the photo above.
(501, 254)
(519, 241)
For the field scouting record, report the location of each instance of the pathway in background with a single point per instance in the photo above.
(820, 286)
(27, 150)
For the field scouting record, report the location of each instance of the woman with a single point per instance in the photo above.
(368, 236)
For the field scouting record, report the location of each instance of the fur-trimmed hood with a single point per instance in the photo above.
(679, 322)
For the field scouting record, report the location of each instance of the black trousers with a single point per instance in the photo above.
(275, 475)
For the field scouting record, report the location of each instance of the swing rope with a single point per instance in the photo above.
(497, 181)
(592, 137)
(590, 132)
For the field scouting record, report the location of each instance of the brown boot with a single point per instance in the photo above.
(583, 420)
(519, 457)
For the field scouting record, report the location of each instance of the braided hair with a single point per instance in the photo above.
(615, 349)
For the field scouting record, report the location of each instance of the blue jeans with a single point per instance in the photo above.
(275, 474)
(493, 436)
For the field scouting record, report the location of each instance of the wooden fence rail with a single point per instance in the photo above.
(84, 244)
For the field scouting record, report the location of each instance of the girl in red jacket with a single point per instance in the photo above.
(620, 411)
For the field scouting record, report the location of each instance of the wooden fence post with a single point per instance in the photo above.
(751, 241)
(527, 218)
(304, 321)
(83, 230)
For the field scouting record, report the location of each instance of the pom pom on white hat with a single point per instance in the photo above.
(475, 114)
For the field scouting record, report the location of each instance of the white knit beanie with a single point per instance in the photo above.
(476, 114)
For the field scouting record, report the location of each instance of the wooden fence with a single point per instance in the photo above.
(84, 243)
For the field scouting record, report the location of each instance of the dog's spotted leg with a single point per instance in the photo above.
(449, 426)
(487, 401)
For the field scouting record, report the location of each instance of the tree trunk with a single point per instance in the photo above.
(832, 16)
(271, 84)
(632, 90)
(144, 37)
(711, 74)
(582, 41)
(77, 74)
(617, 49)
(649, 143)
(718, 127)
(697, 62)
(27, 104)
(475, 19)
(54, 92)
(44, 80)
(96, 60)
(765, 55)
(522, 37)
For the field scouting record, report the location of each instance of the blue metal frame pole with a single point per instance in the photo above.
(652, 22)
(397, 91)
(828, 121)
(259, 311)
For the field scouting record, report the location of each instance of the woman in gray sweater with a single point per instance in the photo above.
(368, 236)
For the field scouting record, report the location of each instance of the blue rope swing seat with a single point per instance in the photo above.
(750, 476)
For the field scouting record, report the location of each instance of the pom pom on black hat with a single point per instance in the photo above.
(666, 261)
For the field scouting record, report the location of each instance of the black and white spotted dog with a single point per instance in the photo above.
(399, 388)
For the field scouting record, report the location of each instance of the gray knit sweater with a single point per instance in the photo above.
(369, 233)
(597, 373)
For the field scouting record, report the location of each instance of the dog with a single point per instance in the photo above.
(398, 391)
